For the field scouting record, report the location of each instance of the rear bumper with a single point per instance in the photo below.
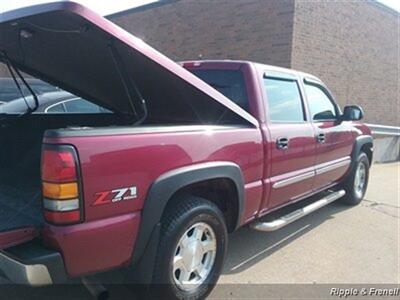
(79, 250)
(95, 246)
(32, 264)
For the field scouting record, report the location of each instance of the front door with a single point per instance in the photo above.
(334, 139)
(290, 144)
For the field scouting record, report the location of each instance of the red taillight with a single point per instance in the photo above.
(61, 218)
(60, 185)
(58, 166)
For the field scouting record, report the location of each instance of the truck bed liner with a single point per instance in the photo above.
(20, 206)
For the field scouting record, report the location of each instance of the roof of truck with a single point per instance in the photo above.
(261, 67)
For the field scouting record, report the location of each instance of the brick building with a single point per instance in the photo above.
(352, 46)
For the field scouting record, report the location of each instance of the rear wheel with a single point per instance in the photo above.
(194, 256)
(191, 250)
(357, 182)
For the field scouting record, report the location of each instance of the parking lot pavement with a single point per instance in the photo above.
(334, 245)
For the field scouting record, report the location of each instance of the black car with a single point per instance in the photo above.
(53, 102)
(9, 91)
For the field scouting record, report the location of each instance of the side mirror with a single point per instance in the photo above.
(352, 113)
(324, 115)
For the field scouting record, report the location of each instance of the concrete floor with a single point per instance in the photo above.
(336, 245)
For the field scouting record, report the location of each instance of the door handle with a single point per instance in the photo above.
(321, 138)
(282, 143)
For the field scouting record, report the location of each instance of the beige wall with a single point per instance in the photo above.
(354, 48)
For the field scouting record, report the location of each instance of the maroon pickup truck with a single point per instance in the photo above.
(190, 152)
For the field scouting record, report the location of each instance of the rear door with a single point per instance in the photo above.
(291, 145)
(333, 138)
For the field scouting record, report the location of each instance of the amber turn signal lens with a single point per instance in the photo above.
(60, 190)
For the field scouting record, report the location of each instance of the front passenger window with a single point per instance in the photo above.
(321, 107)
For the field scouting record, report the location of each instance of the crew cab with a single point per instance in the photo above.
(182, 155)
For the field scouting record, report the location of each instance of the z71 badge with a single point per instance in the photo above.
(116, 195)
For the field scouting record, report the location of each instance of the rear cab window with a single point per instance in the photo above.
(230, 83)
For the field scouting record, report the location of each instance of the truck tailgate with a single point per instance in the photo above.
(17, 236)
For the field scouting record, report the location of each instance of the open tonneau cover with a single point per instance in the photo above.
(71, 46)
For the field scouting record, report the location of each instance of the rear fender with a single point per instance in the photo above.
(169, 183)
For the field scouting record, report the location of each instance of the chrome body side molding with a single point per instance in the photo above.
(293, 179)
(334, 165)
(319, 169)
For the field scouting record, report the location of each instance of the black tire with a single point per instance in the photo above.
(187, 212)
(354, 196)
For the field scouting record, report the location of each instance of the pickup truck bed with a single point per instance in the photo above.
(19, 206)
(20, 191)
(20, 184)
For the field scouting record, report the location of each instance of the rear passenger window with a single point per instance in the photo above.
(284, 100)
(81, 106)
(321, 107)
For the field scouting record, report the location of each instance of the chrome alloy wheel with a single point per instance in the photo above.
(360, 180)
(194, 256)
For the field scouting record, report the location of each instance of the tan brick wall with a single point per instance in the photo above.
(354, 48)
(255, 30)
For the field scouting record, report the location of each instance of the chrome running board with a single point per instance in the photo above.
(297, 214)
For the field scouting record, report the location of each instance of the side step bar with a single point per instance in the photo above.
(297, 214)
